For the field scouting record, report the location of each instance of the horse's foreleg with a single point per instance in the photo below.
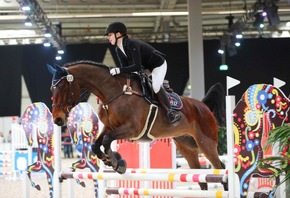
(208, 146)
(96, 149)
(118, 164)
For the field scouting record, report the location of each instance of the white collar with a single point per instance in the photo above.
(122, 48)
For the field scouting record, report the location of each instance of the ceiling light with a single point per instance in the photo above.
(259, 20)
(272, 14)
(60, 51)
(28, 22)
(237, 44)
(47, 35)
(46, 43)
(58, 57)
(239, 36)
(25, 7)
(221, 51)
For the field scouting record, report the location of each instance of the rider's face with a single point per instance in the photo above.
(111, 38)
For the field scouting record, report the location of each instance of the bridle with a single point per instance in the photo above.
(69, 101)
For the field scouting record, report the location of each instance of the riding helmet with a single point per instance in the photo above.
(116, 27)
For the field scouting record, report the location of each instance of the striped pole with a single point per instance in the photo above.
(162, 171)
(166, 192)
(171, 177)
(5, 172)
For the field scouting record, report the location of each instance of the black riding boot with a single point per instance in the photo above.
(172, 115)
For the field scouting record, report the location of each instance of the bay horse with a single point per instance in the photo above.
(127, 115)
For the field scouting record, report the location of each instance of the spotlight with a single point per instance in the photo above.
(58, 57)
(272, 14)
(47, 35)
(60, 51)
(237, 44)
(46, 43)
(221, 51)
(239, 36)
(28, 22)
(259, 20)
(25, 7)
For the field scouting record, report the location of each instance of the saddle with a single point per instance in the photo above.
(150, 96)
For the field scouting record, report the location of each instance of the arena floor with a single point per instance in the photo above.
(13, 187)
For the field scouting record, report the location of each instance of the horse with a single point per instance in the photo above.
(127, 115)
(37, 117)
(83, 127)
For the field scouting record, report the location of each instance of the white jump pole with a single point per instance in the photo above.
(144, 160)
(230, 105)
(57, 158)
(230, 101)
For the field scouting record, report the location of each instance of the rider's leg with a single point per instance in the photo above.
(158, 75)
(173, 116)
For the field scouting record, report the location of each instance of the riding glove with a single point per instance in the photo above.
(114, 71)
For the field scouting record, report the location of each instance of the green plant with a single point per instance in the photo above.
(222, 137)
(279, 165)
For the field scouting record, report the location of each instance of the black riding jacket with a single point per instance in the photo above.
(139, 55)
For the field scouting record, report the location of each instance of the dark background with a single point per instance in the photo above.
(257, 61)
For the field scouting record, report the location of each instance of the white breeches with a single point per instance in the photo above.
(158, 75)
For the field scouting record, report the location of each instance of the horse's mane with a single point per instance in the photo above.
(85, 62)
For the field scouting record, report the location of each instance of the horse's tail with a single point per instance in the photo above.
(215, 100)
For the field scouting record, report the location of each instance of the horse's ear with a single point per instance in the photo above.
(59, 68)
(51, 69)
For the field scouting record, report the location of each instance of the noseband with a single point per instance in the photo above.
(69, 101)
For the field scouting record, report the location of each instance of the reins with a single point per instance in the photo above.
(126, 90)
(69, 79)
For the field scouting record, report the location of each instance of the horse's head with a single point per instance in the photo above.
(65, 93)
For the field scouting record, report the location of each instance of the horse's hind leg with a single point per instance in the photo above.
(96, 148)
(208, 147)
(189, 150)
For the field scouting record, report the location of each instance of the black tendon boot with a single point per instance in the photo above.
(173, 116)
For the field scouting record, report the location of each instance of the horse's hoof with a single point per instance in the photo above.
(122, 166)
(116, 155)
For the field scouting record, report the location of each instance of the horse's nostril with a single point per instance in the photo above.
(58, 121)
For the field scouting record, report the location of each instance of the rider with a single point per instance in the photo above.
(133, 55)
